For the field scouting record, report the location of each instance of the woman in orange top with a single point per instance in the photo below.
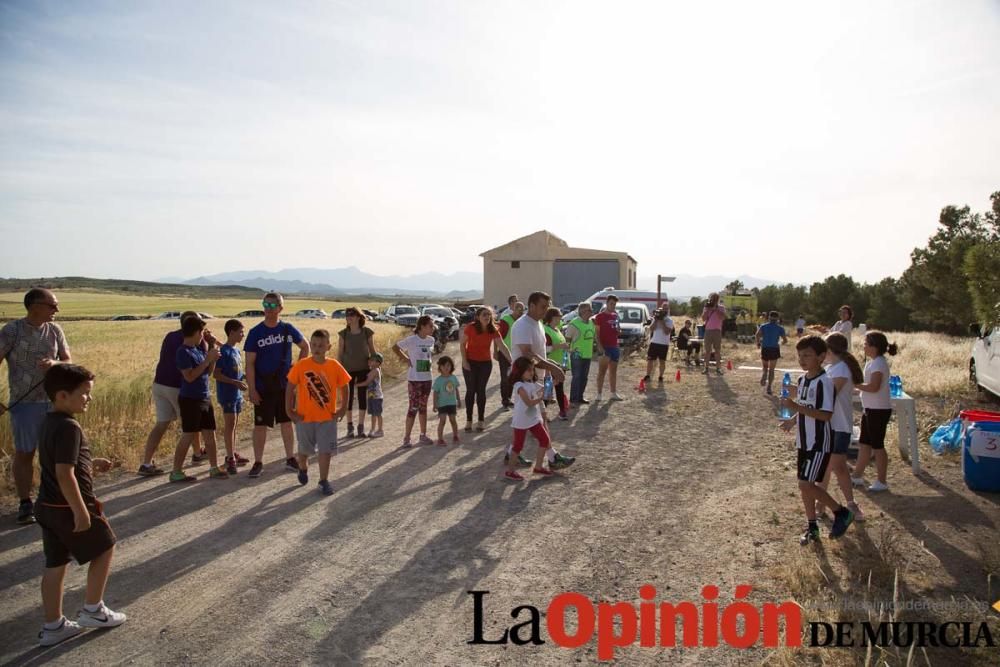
(476, 342)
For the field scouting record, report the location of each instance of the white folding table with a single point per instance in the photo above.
(906, 428)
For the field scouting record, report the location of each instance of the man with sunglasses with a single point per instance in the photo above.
(30, 346)
(268, 361)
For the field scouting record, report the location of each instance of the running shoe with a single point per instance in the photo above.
(217, 473)
(407, 444)
(599, 397)
(65, 630)
(325, 488)
(200, 457)
(455, 439)
(858, 481)
(810, 535)
(514, 475)
(25, 513)
(424, 440)
(615, 396)
(102, 618)
(179, 476)
(560, 462)
(440, 442)
(230, 465)
(584, 401)
(562, 416)
(542, 471)
(468, 427)
(878, 486)
(150, 470)
(480, 426)
(521, 461)
(361, 431)
(842, 518)
(291, 464)
(304, 477)
(350, 431)
(255, 470)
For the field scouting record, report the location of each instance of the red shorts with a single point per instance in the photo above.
(538, 430)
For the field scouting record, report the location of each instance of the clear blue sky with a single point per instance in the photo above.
(788, 140)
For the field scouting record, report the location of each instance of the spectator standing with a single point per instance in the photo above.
(355, 346)
(476, 342)
(608, 327)
(844, 325)
(268, 361)
(581, 334)
(506, 327)
(714, 316)
(31, 346)
(659, 343)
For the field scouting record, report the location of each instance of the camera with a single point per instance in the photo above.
(659, 314)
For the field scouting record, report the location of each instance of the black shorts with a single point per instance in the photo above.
(448, 410)
(60, 543)
(196, 415)
(271, 410)
(874, 423)
(657, 351)
(770, 353)
(812, 465)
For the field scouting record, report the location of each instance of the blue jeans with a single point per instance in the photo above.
(581, 370)
(26, 422)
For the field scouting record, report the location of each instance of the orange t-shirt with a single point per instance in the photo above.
(477, 345)
(316, 387)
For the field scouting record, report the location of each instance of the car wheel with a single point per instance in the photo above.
(974, 378)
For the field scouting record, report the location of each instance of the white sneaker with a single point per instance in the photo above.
(878, 486)
(616, 397)
(102, 618)
(52, 637)
(858, 481)
(599, 397)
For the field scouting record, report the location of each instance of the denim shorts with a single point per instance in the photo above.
(841, 442)
(374, 407)
(26, 421)
(613, 354)
(234, 408)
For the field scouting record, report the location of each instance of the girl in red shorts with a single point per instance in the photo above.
(527, 417)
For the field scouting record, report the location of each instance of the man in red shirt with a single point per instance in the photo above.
(607, 345)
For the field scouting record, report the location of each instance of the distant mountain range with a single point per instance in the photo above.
(461, 285)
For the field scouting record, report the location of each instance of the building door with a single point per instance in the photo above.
(573, 280)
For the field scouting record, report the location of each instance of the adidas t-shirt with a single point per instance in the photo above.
(816, 393)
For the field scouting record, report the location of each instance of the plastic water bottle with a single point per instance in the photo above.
(895, 386)
(549, 388)
(565, 363)
(786, 383)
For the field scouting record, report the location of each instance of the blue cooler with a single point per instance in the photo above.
(981, 450)
(701, 331)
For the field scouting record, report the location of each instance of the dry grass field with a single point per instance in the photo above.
(123, 355)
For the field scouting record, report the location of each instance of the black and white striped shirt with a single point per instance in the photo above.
(816, 393)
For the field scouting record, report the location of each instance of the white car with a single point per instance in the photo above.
(984, 365)
(312, 314)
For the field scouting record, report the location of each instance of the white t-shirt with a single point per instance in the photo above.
(523, 415)
(843, 410)
(419, 350)
(659, 337)
(878, 400)
(800, 324)
(845, 327)
(527, 331)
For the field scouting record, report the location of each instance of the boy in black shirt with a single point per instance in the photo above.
(72, 520)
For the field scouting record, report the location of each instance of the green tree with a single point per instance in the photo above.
(735, 286)
(935, 285)
(694, 306)
(886, 309)
(982, 268)
(792, 300)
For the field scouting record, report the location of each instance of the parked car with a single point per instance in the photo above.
(470, 314)
(169, 315)
(984, 362)
(250, 313)
(633, 321)
(568, 308)
(444, 320)
(403, 314)
(370, 314)
(125, 318)
(312, 313)
(206, 316)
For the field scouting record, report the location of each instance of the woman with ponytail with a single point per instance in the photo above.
(845, 371)
(877, 406)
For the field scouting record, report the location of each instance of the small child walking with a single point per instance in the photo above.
(445, 392)
(845, 372)
(373, 386)
(527, 417)
(813, 410)
(877, 404)
(72, 518)
(230, 382)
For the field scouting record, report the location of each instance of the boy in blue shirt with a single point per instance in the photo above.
(229, 385)
(195, 399)
(767, 338)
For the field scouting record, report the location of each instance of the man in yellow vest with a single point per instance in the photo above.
(506, 325)
(580, 333)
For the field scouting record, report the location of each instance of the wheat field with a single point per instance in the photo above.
(123, 356)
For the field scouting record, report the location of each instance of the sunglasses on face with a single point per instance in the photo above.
(271, 305)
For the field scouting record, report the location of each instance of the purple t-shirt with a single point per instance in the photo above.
(167, 373)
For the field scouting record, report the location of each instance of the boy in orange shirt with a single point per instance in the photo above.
(311, 402)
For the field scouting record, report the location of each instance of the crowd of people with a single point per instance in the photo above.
(306, 397)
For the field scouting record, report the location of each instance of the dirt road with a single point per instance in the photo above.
(676, 488)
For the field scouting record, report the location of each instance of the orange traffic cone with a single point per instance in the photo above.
(729, 365)
(677, 378)
(642, 386)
